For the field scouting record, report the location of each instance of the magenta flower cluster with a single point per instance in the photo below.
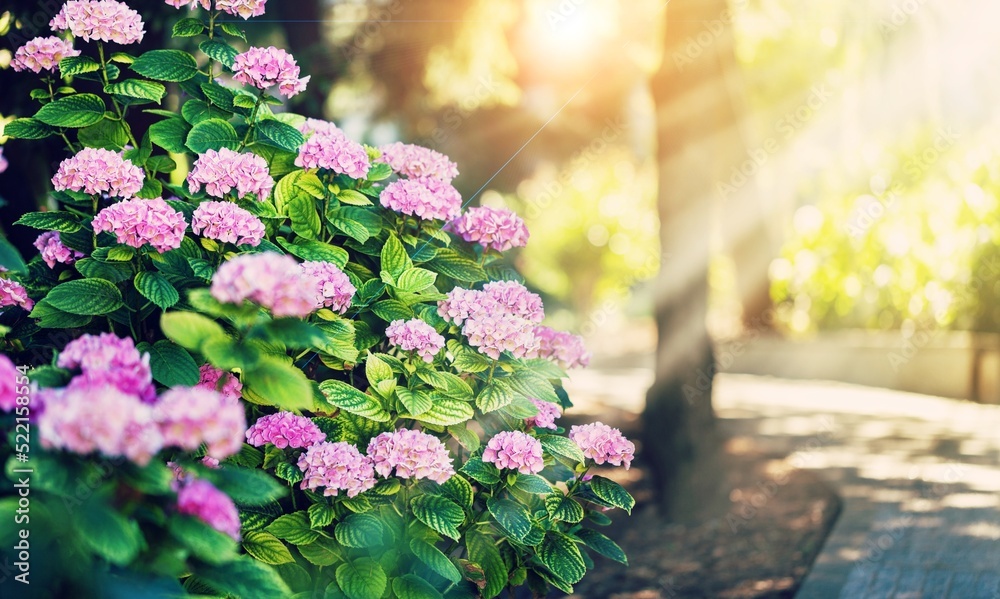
(13, 293)
(108, 360)
(228, 223)
(284, 429)
(226, 383)
(222, 171)
(417, 162)
(53, 251)
(547, 414)
(42, 54)
(492, 228)
(333, 151)
(199, 498)
(427, 199)
(265, 67)
(338, 467)
(413, 454)
(565, 349)
(415, 335)
(191, 416)
(271, 280)
(101, 20)
(603, 443)
(499, 318)
(139, 222)
(9, 376)
(96, 171)
(515, 450)
(334, 289)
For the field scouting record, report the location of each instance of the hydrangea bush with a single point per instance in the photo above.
(299, 369)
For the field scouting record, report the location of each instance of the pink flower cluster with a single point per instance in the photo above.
(492, 228)
(241, 8)
(190, 416)
(515, 299)
(42, 54)
(602, 443)
(516, 451)
(338, 467)
(565, 349)
(96, 171)
(501, 317)
(428, 199)
(206, 4)
(416, 162)
(139, 222)
(313, 126)
(284, 429)
(547, 414)
(271, 280)
(228, 223)
(221, 171)
(53, 251)
(231, 388)
(415, 335)
(265, 67)
(102, 20)
(199, 498)
(335, 152)
(109, 360)
(13, 293)
(413, 454)
(4, 163)
(334, 289)
(9, 377)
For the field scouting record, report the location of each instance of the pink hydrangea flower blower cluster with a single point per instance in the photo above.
(418, 162)
(226, 383)
(53, 251)
(96, 171)
(285, 429)
(108, 360)
(238, 8)
(228, 223)
(222, 171)
(264, 68)
(140, 222)
(547, 414)
(412, 454)
(332, 150)
(500, 317)
(13, 293)
(271, 280)
(200, 498)
(415, 335)
(603, 443)
(42, 54)
(493, 228)
(515, 450)
(565, 349)
(101, 20)
(337, 467)
(424, 189)
(334, 289)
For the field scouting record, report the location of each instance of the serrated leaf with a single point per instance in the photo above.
(362, 578)
(458, 490)
(395, 260)
(76, 111)
(360, 531)
(293, 528)
(170, 134)
(172, 366)
(347, 398)
(611, 492)
(602, 545)
(350, 228)
(447, 383)
(563, 509)
(377, 370)
(166, 65)
(220, 51)
(322, 552)
(157, 289)
(562, 557)
(482, 472)
(63, 222)
(188, 28)
(532, 483)
(108, 134)
(410, 586)
(278, 134)
(483, 552)
(435, 559)
(233, 30)
(513, 517)
(557, 445)
(77, 65)
(442, 515)
(415, 279)
(304, 216)
(27, 129)
(190, 330)
(195, 111)
(289, 472)
(49, 317)
(212, 134)
(468, 439)
(321, 515)
(308, 249)
(446, 412)
(138, 89)
(390, 310)
(86, 297)
(494, 396)
(415, 402)
(353, 198)
(457, 267)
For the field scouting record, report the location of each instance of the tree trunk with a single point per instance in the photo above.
(699, 142)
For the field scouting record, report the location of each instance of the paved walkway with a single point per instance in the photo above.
(919, 477)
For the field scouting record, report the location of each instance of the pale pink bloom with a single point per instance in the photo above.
(13, 293)
(602, 443)
(313, 126)
(565, 349)
(413, 454)
(515, 450)
(499, 318)
(271, 280)
(415, 335)
(191, 416)
(265, 67)
(516, 299)
(206, 4)
(241, 8)
(338, 467)
(103, 20)
(334, 289)
(222, 171)
(231, 388)
(202, 500)
(97, 171)
(547, 414)
(139, 222)
(414, 197)
(107, 359)
(492, 228)
(284, 429)
(228, 223)
(334, 152)
(42, 54)
(415, 161)
(53, 251)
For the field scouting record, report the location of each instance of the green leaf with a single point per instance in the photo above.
(212, 134)
(413, 587)
(77, 65)
(532, 483)
(611, 492)
(602, 544)
(188, 28)
(513, 517)
(321, 515)
(458, 490)
(51, 318)
(450, 263)
(63, 222)
(78, 110)
(221, 97)
(137, 89)
(233, 30)
(305, 218)
(562, 557)
(494, 396)
(196, 111)
(415, 279)
(288, 472)
(220, 51)
(172, 366)
(166, 65)
(208, 544)
(294, 333)
(557, 445)
(157, 289)
(108, 134)
(362, 578)
(353, 198)
(360, 531)
(415, 402)
(350, 228)
(170, 134)
(347, 398)
(482, 472)
(465, 437)
(483, 552)
(446, 412)
(293, 528)
(27, 129)
(10, 258)
(379, 171)
(244, 578)
(323, 552)
(442, 515)
(435, 559)
(470, 360)
(390, 310)
(247, 486)
(562, 508)
(308, 249)
(447, 383)
(395, 260)
(281, 385)
(108, 533)
(86, 297)
(190, 330)
(280, 135)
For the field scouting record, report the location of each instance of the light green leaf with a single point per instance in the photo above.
(416, 403)
(390, 310)
(446, 412)
(345, 397)
(442, 515)
(280, 135)
(494, 396)
(281, 385)
(305, 218)
(86, 297)
(395, 260)
(293, 528)
(78, 110)
(415, 279)
(212, 134)
(190, 330)
(77, 65)
(27, 129)
(362, 578)
(137, 89)
(188, 28)
(220, 50)
(557, 445)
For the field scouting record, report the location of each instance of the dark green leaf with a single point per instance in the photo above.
(412, 587)
(512, 517)
(166, 65)
(557, 445)
(483, 552)
(170, 134)
(435, 559)
(485, 473)
(293, 528)
(51, 221)
(245, 578)
(205, 542)
(188, 28)
(279, 134)
(138, 89)
(442, 515)
(86, 297)
(563, 509)
(77, 65)
(611, 492)
(359, 531)
(362, 578)
(219, 50)
(602, 544)
(78, 110)
(212, 134)
(157, 289)
(27, 129)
